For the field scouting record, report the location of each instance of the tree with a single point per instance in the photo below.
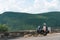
(3, 28)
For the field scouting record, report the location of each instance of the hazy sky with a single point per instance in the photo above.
(30, 6)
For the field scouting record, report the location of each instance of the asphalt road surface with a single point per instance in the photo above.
(54, 36)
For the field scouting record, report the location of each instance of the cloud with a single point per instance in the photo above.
(30, 6)
(43, 5)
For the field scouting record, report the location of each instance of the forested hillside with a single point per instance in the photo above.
(26, 21)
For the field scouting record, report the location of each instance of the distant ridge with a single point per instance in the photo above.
(26, 21)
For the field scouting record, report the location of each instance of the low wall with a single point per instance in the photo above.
(21, 33)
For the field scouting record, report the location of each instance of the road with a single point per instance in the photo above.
(54, 36)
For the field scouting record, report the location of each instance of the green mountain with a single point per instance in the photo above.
(26, 21)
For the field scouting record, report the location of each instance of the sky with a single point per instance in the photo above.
(29, 6)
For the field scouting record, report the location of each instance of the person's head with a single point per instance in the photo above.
(38, 26)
